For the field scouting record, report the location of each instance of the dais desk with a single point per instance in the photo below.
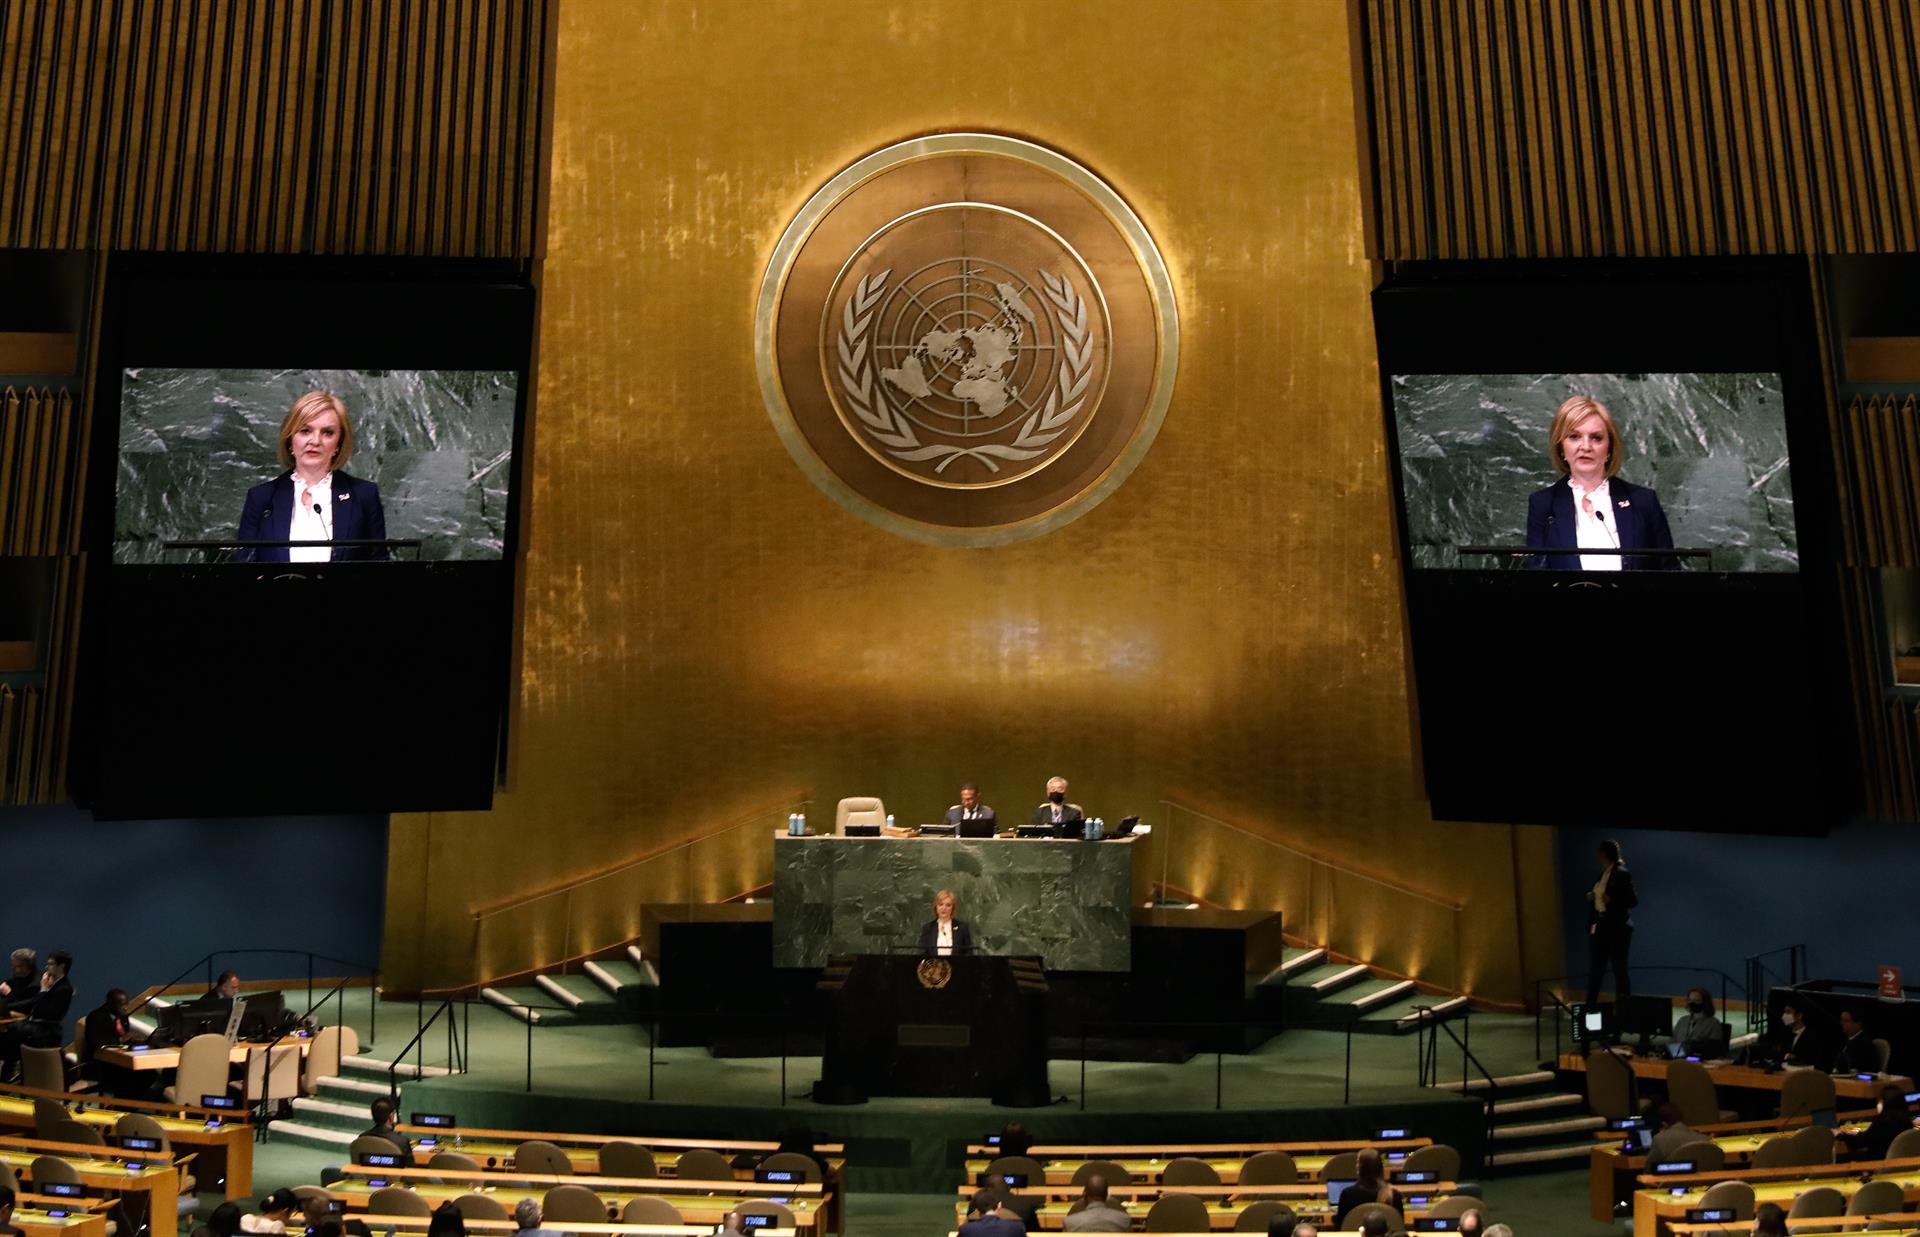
(169, 1058)
(1067, 902)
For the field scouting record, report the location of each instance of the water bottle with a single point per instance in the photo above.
(793, 824)
(889, 822)
(803, 824)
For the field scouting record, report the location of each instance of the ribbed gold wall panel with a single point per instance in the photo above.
(289, 126)
(39, 470)
(1549, 128)
(1880, 441)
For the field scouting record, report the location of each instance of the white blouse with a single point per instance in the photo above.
(309, 525)
(1596, 533)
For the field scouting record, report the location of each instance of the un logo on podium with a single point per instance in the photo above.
(967, 339)
(935, 973)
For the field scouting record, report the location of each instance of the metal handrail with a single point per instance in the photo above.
(1745, 991)
(372, 973)
(575, 886)
(1759, 974)
(1430, 1060)
(1304, 923)
(456, 1045)
(1322, 861)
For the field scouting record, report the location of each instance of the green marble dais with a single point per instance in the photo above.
(1066, 902)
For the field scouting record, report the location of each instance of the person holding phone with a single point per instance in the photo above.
(313, 500)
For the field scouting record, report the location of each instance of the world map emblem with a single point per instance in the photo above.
(967, 339)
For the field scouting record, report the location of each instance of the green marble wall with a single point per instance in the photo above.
(1067, 902)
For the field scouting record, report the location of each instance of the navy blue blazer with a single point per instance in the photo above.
(268, 516)
(1636, 516)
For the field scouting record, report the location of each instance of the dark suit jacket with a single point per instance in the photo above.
(104, 1027)
(24, 993)
(984, 820)
(47, 1018)
(268, 516)
(1809, 1047)
(1621, 899)
(1872, 1142)
(1858, 1056)
(1071, 818)
(930, 936)
(1636, 516)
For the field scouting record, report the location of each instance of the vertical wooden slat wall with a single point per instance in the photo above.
(1652, 128)
(272, 126)
(1567, 128)
(392, 127)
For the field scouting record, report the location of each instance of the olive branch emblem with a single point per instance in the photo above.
(859, 380)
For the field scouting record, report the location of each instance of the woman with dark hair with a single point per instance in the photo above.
(1370, 1186)
(224, 1222)
(1769, 1221)
(1890, 1117)
(1610, 906)
(447, 1222)
(1697, 1032)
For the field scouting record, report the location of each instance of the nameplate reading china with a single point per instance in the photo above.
(966, 339)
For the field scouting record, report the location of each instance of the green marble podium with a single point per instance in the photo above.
(1065, 902)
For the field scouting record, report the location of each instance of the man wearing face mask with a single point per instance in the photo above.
(1697, 1032)
(1797, 1043)
(1065, 819)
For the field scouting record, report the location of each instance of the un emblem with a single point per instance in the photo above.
(934, 973)
(967, 339)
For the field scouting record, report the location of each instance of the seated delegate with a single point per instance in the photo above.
(1857, 1052)
(1697, 1032)
(1065, 819)
(976, 819)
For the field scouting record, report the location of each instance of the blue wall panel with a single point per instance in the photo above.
(137, 901)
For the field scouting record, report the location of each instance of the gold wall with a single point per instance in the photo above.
(706, 634)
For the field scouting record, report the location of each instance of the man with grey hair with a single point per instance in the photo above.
(1306, 1230)
(526, 1213)
(1065, 819)
(1499, 1230)
(22, 988)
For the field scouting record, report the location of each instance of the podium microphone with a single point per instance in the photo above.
(321, 514)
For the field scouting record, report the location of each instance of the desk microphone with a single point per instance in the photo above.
(321, 514)
(1600, 515)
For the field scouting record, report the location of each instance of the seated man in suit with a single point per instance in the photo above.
(976, 819)
(944, 936)
(386, 1115)
(1098, 1215)
(46, 1018)
(1671, 1134)
(987, 1216)
(107, 1027)
(225, 988)
(1065, 819)
(22, 988)
(1857, 1053)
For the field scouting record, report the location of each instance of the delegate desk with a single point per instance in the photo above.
(699, 1202)
(1749, 1077)
(419, 1224)
(169, 1058)
(1068, 903)
(156, 1184)
(35, 1222)
(1224, 1203)
(1662, 1202)
(1146, 1162)
(1611, 1170)
(494, 1148)
(223, 1150)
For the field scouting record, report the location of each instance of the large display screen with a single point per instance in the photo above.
(205, 453)
(1690, 462)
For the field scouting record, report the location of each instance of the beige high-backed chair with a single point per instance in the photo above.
(859, 810)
